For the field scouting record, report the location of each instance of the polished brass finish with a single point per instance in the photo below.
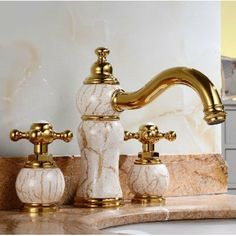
(148, 161)
(148, 135)
(213, 108)
(41, 135)
(101, 71)
(39, 208)
(145, 199)
(100, 118)
(98, 202)
(42, 161)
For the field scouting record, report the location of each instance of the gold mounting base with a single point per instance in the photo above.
(39, 208)
(151, 161)
(144, 199)
(98, 202)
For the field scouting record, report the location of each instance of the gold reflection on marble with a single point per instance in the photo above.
(147, 199)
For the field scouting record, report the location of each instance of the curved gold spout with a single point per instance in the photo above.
(213, 108)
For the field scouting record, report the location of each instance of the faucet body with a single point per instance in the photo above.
(100, 134)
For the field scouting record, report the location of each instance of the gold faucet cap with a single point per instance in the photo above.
(41, 135)
(101, 70)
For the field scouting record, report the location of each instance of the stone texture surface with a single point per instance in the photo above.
(74, 29)
(189, 175)
(40, 185)
(148, 179)
(99, 143)
(99, 163)
(70, 220)
(10, 167)
(95, 99)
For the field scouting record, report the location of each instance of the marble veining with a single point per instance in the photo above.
(95, 99)
(99, 165)
(40, 185)
(189, 174)
(148, 179)
(99, 143)
(74, 30)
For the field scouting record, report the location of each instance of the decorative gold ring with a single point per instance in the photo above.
(98, 202)
(39, 208)
(142, 161)
(100, 118)
(114, 99)
(40, 164)
(215, 115)
(111, 80)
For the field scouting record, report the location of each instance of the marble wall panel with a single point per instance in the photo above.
(47, 48)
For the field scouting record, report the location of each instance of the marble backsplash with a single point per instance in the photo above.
(47, 48)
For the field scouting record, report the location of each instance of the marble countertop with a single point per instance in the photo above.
(70, 220)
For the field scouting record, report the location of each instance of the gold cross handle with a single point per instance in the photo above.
(41, 135)
(148, 135)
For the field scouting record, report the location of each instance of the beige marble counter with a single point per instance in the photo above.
(72, 220)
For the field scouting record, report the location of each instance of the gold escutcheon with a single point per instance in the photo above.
(98, 202)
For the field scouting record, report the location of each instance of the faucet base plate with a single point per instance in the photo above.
(145, 199)
(39, 208)
(98, 202)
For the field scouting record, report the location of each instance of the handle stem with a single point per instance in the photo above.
(41, 148)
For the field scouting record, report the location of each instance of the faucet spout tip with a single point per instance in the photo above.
(215, 115)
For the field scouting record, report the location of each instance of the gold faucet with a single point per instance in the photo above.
(213, 108)
(100, 101)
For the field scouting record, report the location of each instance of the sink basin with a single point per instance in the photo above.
(177, 227)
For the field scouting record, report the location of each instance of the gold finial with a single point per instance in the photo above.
(148, 135)
(101, 71)
(41, 135)
(102, 53)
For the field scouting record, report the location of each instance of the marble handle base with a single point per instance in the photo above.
(148, 183)
(40, 188)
